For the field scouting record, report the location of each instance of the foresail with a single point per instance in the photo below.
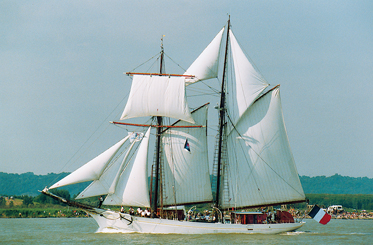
(247, 85)
(185, 163)
(157, 96)
(103, 185)
(132, 187)
(261, 169)
(91, 170)
(207, 64)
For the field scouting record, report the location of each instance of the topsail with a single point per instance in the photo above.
(247, 85)
(157, 96)
(207, 64)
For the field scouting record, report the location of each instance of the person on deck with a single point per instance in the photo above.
(101, 200)
(147, 213)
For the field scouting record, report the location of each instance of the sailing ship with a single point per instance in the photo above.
(253, 167)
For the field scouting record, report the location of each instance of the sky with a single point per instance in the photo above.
(62, 81)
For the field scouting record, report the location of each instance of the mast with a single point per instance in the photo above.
(158, 154)
(222, 116)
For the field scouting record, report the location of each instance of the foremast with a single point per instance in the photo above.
(158, 150)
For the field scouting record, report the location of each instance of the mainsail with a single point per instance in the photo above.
(260, 169)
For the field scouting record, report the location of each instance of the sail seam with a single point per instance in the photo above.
(234, 127)
(251, 167)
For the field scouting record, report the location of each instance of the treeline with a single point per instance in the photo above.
(337, 184)
(42, 212)
(352, 201)
(41, 206)
(41, 200)
(29, 184)
(29, 201)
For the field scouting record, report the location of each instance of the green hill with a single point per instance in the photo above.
(337, 184)
(29, 184)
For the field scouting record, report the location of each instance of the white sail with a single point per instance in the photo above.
(260, 168)
(135, 137)
(132, 188)
(256, 166)
(248, 83)
(108, 179)
(157, 96)
(186, 170)
(207, 64)
(91, 170)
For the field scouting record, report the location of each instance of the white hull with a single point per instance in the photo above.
(111, 221)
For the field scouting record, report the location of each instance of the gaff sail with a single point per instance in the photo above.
(186, 172)
(261, 169)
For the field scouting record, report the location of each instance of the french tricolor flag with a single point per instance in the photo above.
(320, 215)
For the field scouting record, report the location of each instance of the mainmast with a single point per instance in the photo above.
(222, 117)
(158, 154)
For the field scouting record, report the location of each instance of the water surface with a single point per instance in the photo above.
(82, 231)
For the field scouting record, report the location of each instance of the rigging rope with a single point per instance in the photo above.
(234, 127)
(89, 138)
(146, 61)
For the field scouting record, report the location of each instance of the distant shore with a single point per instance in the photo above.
(67, 212)
(16, 208)
(42, 213)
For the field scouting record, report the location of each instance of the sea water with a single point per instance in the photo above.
(83, 231)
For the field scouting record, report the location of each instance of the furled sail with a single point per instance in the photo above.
(248, 83)
(185, 164)
(132, 187)
(207, 64)
(260, 169)
(157, 96)
(91, 170)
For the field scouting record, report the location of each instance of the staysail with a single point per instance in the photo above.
(102, 185)
(261, 169)
(132, 187)
(91, 170)
(186, 170)
(157, 96)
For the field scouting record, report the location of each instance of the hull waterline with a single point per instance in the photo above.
(114, 222)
